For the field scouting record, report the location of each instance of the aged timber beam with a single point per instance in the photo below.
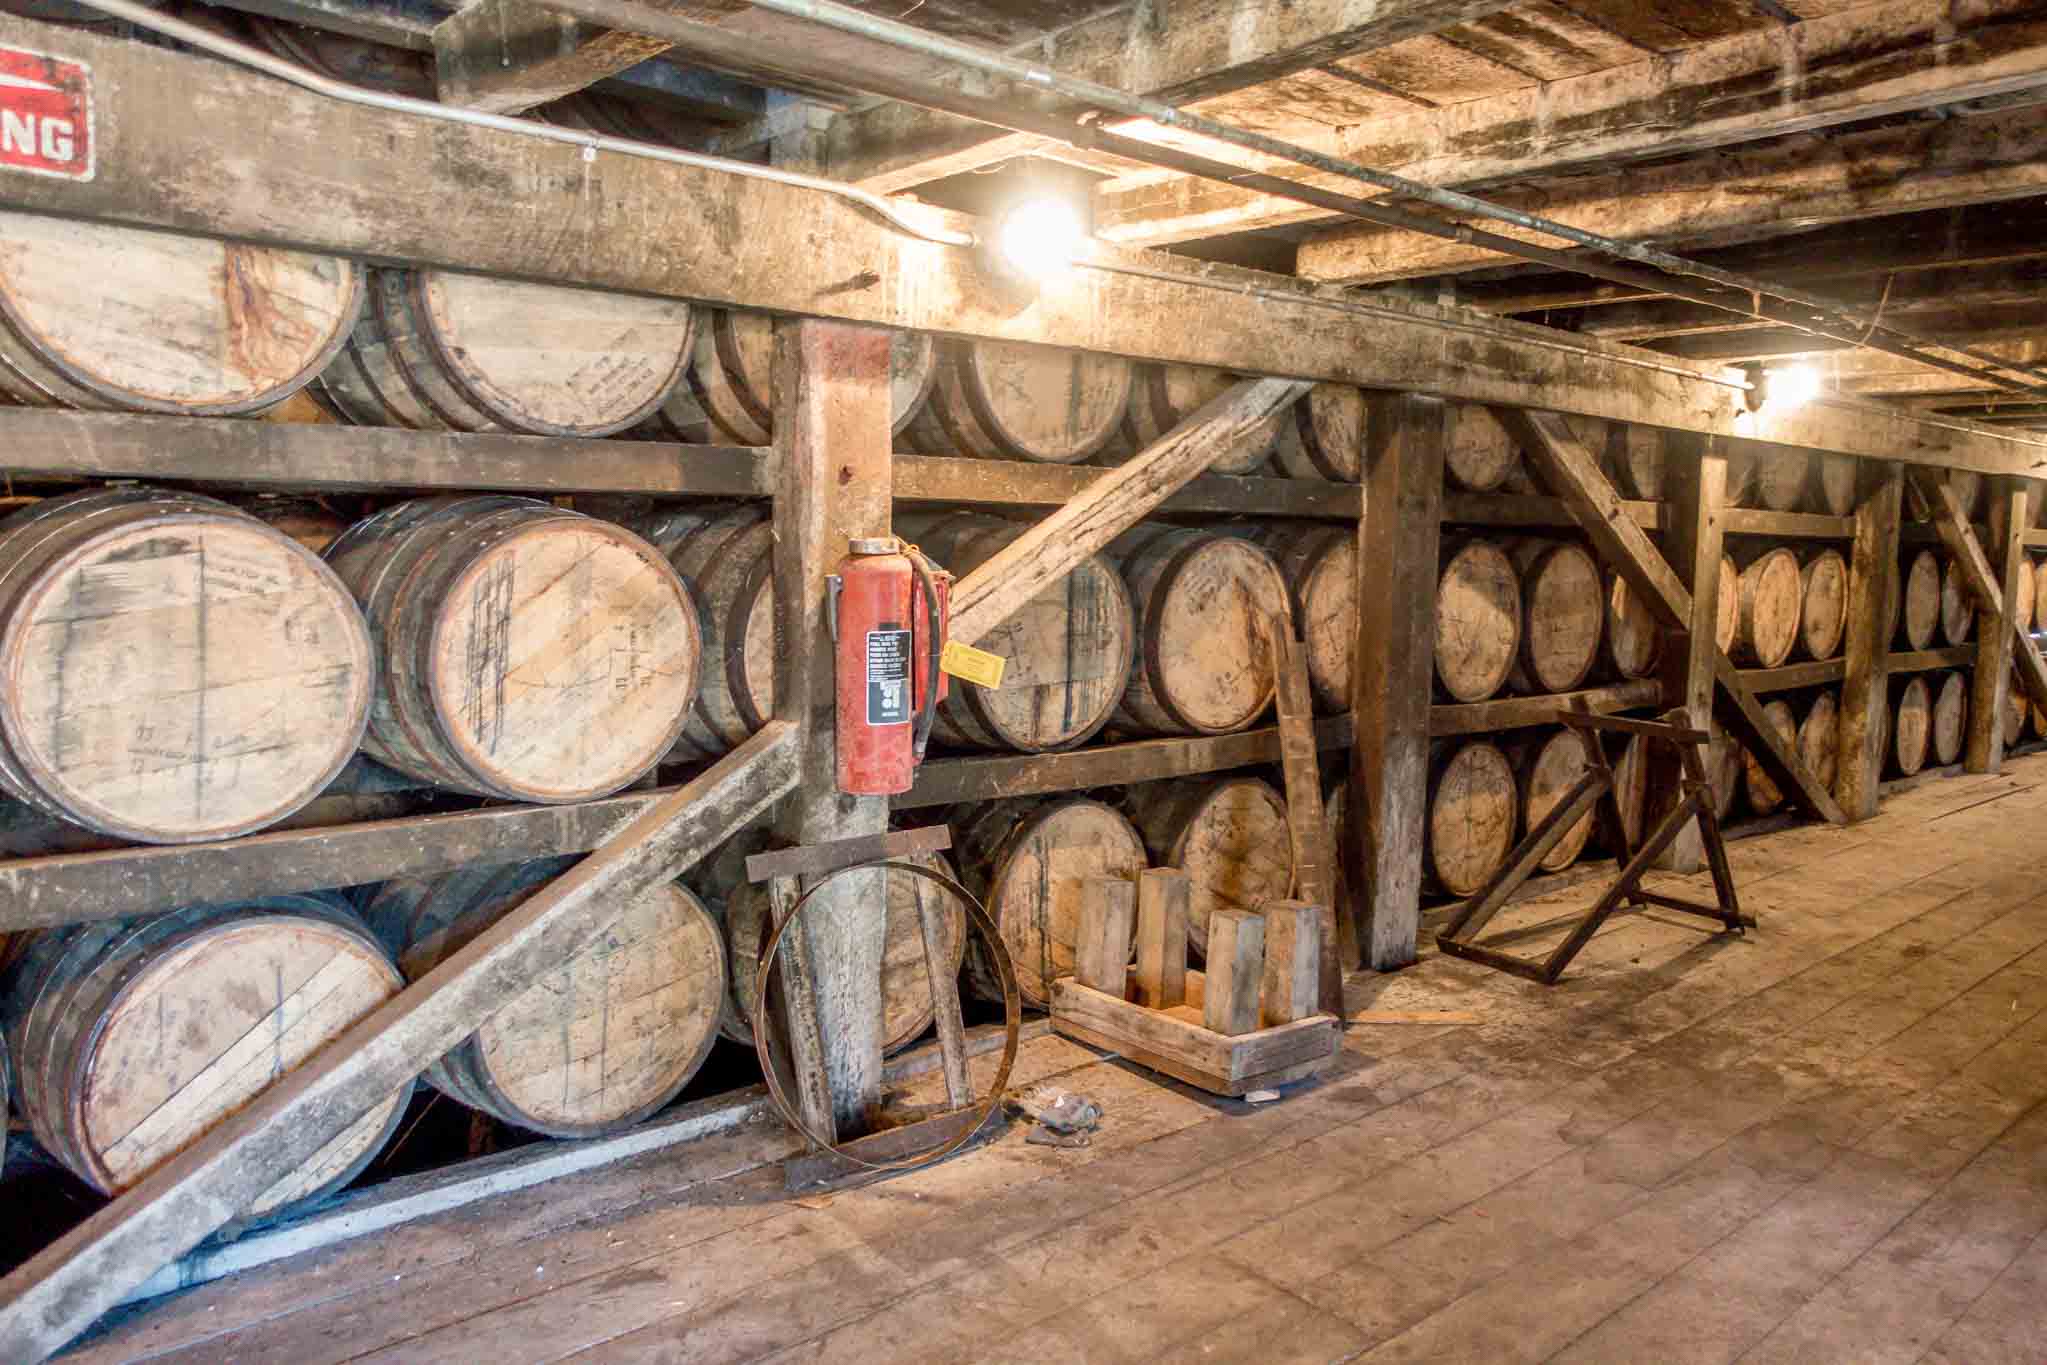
(1990, 685)
(1573, 469)
(1872, 604)
(1392, 673)
(1985, 583)
(1858, 64)
(1696, 484)
(1115, 501)
(1734, 195)
(832, 433)
(57, 1294)
(1194, 51)
(174, 139)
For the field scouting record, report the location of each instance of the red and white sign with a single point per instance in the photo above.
(45, 115)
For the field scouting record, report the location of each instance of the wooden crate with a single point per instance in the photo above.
(1173, 1042)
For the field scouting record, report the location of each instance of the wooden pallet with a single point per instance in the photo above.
(1173, 1042)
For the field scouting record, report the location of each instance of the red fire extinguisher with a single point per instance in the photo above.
(891, 607)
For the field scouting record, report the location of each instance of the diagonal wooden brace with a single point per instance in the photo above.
(1574, 472)
(63, 1288)
(1115, 502)
(1959, 537)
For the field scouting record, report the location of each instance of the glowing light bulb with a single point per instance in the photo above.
(1040, 237)
(1791, 385)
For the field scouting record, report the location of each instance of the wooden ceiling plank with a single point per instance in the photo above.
(1731, 196)
(1881, 59)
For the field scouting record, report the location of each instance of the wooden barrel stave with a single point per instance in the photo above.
(1919, 600)
(1823, 604)
(1478, 454)
(1230, 836)
(1911, 731)
(601, 1041)
(136, 1036)
(1950, 715)
(1767, 594)
(1957, 605)
(726, 558)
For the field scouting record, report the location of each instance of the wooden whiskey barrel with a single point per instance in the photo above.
(1919, 599)
(1764, 795)
(1025, 859)
(1230, 836)
(1629, 758)
(1823, 604)
(726, 556)
(1819, 735)
(2027, 604)
(600, 1041)
(732, 374)
(1546, 767)
(905, 982)
(1768, 595)
(174, 670)
(1005, 401)
(1478, 620)
(1833, 486)
(529, 653)
(2015, 708)
(367, 384)
(1782, 476)
(1070, 648)
(1638, 463)
(1473, 815)
(131, 1038)
(1726, 605)
(1911, 727)
(1204, 602)
(97, 316)
(1478, 454)
(1163, 396)
(1968, 491)
(1957, 605)
(1323, 436)
(1743, 474)
(2039, 593)
(1632, 641)
(1562, 615)
(1320, 566)
(1723, 764)
(1950, 715)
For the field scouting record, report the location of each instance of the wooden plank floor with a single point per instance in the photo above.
(1823, 1142)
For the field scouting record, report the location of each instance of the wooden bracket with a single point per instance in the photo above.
(1456, 937)
(1596, 505)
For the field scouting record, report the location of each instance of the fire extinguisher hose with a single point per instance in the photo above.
(921, 734)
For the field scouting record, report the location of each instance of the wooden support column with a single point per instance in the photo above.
(1695, 480)
(1390, 682)
(63, 1288)
(1872, 602)
(832, 444)
(1990, 691)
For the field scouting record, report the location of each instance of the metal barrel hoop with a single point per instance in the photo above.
(1012, 1015)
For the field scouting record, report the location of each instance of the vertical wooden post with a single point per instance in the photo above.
(1398, 537)
(1990, 691)
(1236, 972)
(1162, 897)
(1872, 605)
(1695, 479)
(832, 436)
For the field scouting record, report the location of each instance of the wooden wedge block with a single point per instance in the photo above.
(1108, 913)
(1163, 895)
(1291, 987)
(1236, 965)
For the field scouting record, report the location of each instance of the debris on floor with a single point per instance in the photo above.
(1060, 1118)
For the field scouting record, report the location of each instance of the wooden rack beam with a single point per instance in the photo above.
(1512, 713)
(1811, 674)
(190, 144)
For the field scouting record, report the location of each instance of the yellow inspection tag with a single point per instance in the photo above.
(972, 665)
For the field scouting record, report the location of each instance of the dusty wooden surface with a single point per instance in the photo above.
(1848, 1101)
